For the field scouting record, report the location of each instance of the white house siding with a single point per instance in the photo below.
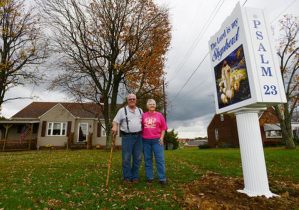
(57, 114)
(102, 140)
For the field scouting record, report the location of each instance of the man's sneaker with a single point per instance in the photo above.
(135, 181)
(149, 181)
(163, 183)
(126, 182)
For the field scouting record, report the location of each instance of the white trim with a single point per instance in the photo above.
(23, 118)
(61, 123)
(53, 108)
(102, 129)
(273, 137)
(17, 122)
(79, 131)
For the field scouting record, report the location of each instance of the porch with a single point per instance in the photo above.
(11, 133)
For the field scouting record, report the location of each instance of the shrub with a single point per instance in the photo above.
(172, 137)
(205, 146)
(296, 141)
(226, 145)
(270, 143)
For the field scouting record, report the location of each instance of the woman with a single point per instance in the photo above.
(154, 127)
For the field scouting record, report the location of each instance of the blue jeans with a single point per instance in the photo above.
(151, 146)
(131, 146)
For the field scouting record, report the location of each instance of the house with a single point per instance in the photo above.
(222, 130)
(183, 140)
(195, 143)
(55, 124)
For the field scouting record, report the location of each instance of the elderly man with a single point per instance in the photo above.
(129, 118)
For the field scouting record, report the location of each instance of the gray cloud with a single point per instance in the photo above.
(190, 112)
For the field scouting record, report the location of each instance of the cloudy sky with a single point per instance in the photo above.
(194, 21)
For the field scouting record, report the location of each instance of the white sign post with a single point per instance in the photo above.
(247, 79)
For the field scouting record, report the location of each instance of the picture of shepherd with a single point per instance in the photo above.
(231, 79)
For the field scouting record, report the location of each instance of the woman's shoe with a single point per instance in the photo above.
(163, 183)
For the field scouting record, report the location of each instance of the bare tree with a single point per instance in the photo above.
(288, 53)
(21, 46)
(103, 43)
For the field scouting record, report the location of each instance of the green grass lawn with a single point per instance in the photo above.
(76, 179)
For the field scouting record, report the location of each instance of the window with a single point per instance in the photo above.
(103, 133)
(273, 134)
(56, 129)
(222, 117)
(216, 134)
(103, 130)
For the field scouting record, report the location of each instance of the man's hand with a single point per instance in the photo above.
(161, 141)
(114, 130)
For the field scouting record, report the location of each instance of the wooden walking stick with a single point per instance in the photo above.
(110, 161)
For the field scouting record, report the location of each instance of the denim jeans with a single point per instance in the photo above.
(131, 146)
(151, 146)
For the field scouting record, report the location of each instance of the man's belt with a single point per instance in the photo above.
(132, 133)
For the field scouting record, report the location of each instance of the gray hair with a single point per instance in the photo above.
(150, 101)
(131, 94)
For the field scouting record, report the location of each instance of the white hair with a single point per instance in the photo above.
(150, 101)
(131, 94)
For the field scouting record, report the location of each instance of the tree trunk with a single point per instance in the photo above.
(286, 126)
(112, 113)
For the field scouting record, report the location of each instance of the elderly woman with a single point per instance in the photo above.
(154, 127)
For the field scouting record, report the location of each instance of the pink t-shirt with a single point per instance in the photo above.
(153, 124)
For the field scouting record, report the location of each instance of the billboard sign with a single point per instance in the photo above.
(244, 62)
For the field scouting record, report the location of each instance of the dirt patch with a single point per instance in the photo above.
(214, 192)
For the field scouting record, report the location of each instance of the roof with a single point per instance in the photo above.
(17, 122)
(195, 143)
(80, 110)
(271, 127)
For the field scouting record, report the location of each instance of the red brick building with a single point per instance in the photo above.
(222, 130)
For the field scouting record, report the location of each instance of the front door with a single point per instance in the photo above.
(82, 132)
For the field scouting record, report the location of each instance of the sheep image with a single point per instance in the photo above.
(237, 86)
(224, 99)
(230, 94)
(232, 80)
(221, 84)
(241, 77)
(221, 89)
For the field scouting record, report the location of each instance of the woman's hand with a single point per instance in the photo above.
(161, 141)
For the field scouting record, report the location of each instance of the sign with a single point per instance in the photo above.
(244, 62)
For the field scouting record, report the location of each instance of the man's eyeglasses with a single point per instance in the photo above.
(132, 99)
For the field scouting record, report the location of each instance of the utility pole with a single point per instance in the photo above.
(164, 101)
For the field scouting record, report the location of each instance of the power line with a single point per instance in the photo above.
(198, 38)
(283, 11)
(197, 86)
(190, 76)
(186, 34)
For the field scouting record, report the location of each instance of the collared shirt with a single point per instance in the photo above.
(134, 119)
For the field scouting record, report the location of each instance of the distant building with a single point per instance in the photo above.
(183, 140)
(195, 143)
(222, 130)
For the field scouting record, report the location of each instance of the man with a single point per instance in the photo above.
(129, 118)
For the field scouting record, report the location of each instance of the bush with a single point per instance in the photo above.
(281, 143)
(172, 137)
(77, 147)
(296, 141)
(226, 145)
(205, 146)
(270, 143)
